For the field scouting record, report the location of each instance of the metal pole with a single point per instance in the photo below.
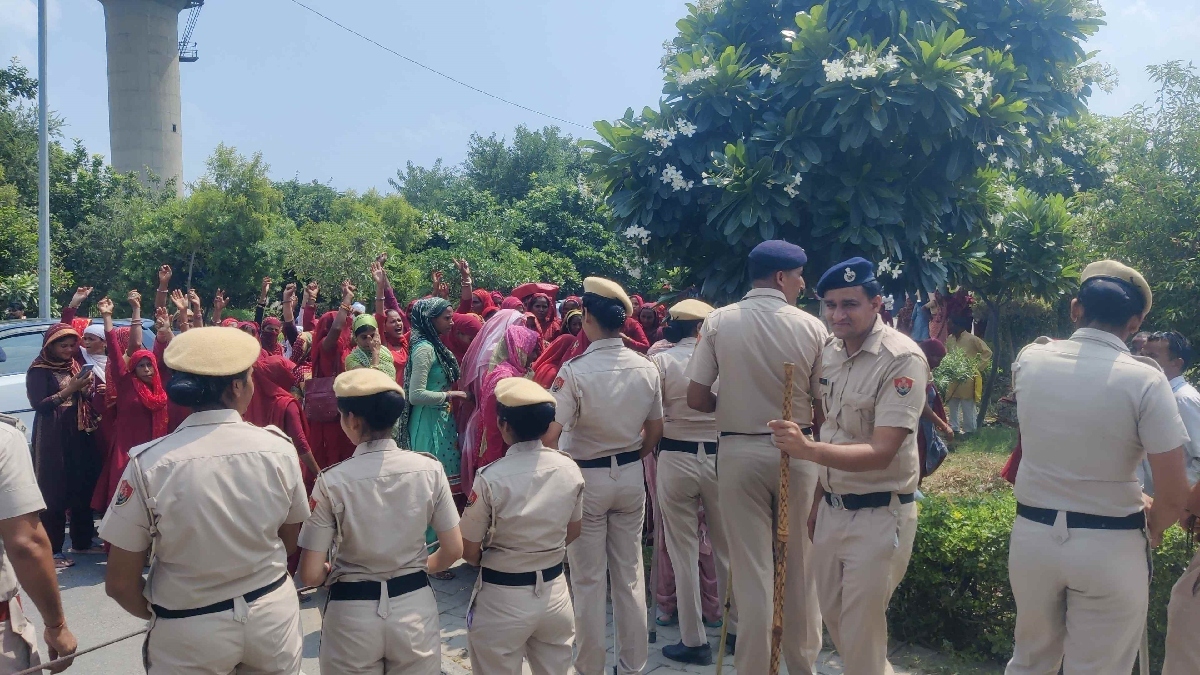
(43, 173)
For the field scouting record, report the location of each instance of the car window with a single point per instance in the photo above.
(20, 351)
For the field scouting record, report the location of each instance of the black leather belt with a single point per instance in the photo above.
(369, 590)
(225, 606)
(871, 500)
(1084, 521)
(804, 430)
(491, 576)
(605, 462)
(690, 447)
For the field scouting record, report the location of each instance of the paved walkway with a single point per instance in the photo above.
(95, 618)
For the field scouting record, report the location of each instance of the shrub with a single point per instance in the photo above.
(956, 367)
(956, 596)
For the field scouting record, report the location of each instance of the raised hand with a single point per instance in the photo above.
(348, 290)
(105, 306)
(164, 277)
(381, 259)
(266, 289)
(135, 299)
(81, 294)
(178, 299)
(193, 298)
(162, 318)
(464, 269)
(289, 293)
(378, 274)
(310, 292)
(219, 300)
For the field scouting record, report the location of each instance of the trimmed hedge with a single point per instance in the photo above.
(955, 597)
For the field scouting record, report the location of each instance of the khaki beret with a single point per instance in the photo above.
(214, 351)
(1111, 269)
(514, 392)
(608, 289)
(690, 310)
(364, 382)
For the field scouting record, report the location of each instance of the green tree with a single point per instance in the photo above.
(848, 127)
(305, 203)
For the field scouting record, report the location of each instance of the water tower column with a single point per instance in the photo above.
(144, 120)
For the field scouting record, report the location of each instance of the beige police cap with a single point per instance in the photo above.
(608, 289)
(364, 382)
(213, 351)
(514, 392)
(690, 310)
(1111, 269)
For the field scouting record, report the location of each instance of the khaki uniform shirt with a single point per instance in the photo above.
(520, 506)
(883, 385)
(19, 493)
(972, 346)
(604, 396)
(680, 422)
(747, 344)
(220, 489)
(1089, 412)
(373, 509)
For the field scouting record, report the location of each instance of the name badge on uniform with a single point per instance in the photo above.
(903, 385)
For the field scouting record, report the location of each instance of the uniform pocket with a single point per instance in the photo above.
(859, 414)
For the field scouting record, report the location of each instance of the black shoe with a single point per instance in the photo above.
(700, 656)
(730, 644)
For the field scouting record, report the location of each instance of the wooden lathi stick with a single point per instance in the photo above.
(781, 530)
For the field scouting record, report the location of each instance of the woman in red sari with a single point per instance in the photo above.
(651, 322)
(330, 345)
(564, 348)
(274, 404)
(513, 356)
(543, 310)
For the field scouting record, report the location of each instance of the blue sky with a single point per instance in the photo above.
(320, 103)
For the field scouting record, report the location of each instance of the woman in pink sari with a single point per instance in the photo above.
(477, 363)
(512, 359)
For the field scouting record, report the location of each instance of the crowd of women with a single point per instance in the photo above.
(99, 392)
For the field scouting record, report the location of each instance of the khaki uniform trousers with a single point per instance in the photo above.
(748, 489)
(859, 558)
(386, 636)
(684, 482)
(262, 638)
(1081, 598)
(509, 623)
(1183, 624)
(18, 642)
(610, 548)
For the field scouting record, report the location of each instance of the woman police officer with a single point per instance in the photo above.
(216, 506)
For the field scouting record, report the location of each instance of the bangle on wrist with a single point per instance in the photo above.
(58, 625)
(346, 308)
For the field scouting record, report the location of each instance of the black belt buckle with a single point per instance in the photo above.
(623, 458)
(223, 606)
(491, 576)
(1083, 521)
(872, 500)
(369, 590)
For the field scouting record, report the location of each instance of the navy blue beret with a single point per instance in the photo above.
(774, 255)
(848, 273)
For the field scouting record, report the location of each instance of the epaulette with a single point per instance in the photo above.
(139, 449)
(15, 422)
(1147, 361)
(429, 455)
(563, 453)
(1043, 340)
(330, 467)
(278, 432)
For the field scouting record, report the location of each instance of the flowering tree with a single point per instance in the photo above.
(849, 127)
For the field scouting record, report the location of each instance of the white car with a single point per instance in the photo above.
(20, 343)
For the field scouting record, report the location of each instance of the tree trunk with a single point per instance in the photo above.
(191, 264)
(992, 331)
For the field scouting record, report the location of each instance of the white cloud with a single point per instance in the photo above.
(18, 29)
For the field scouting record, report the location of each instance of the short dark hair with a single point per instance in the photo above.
(873, 289)
(609, 313)
(760, 271)
(528, 422)
(17, 305)
(1109, 302)
(200, 391)
(960, 321)
(678, 330)
(380, 411)
(1178, 346)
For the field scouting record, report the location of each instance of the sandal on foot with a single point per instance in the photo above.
(62, 562)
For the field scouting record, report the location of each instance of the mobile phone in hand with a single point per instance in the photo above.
(85, 370)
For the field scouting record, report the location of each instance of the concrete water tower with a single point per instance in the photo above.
(144, 50)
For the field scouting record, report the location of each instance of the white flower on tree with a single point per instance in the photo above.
(673, 177)
(695, 75)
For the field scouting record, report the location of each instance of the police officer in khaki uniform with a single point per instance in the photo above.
(609, 416)
(687, 480)
(25, 556)
(522, 512)
(863, 517)
(217, 506)
(1089, 413)
(746, 344)
(366, 539)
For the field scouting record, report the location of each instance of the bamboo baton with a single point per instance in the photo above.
(81, 652)
(781, 530)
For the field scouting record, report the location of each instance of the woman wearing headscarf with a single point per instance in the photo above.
(369, 351)
(389, 319)
(473, 300)
(512, 302)
(464, 328)
(64, 455)
(274, 404)
(572, 303)
(269, 336)
(141, 397)
(476, 364)
(330, 345)
(512, 359)
(572, 323)
(427, 424)
(542, 308)
(563, 349)
(934, 415)
(651, 323)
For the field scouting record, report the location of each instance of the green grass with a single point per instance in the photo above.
(973, 467)
(992, 440)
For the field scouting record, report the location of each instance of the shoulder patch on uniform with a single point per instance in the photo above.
(472, 498)
(124, 492)
(558, 384)
(903, 385)
(312, 504)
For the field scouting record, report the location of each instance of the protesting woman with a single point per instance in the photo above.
(369, 351)
(512, 356)
(331, 345)
(64, 454)
(141, 397)
(427, 424)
